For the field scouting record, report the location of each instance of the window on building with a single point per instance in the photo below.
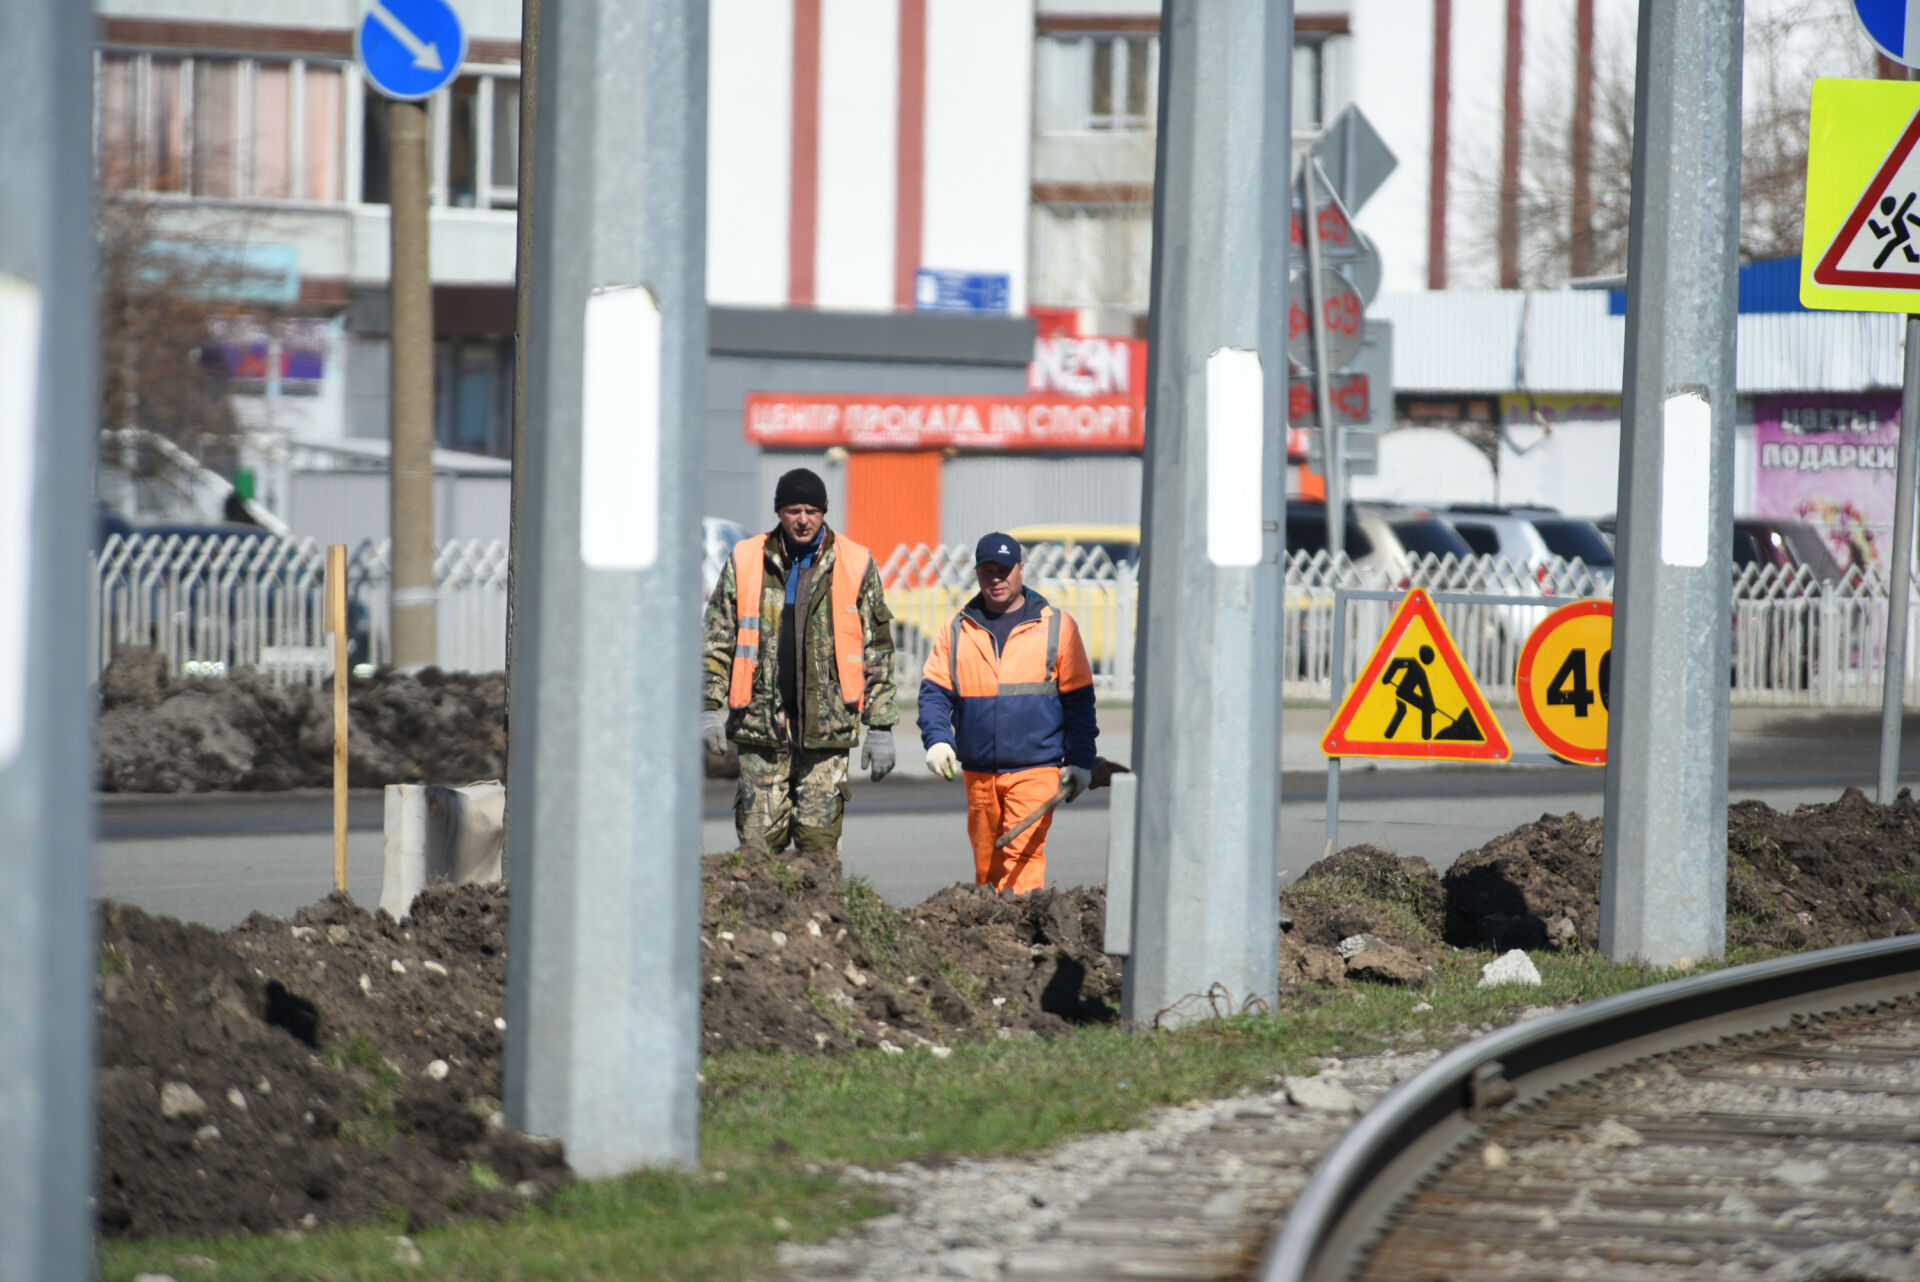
(1309, 84)
(473, 131)
(219, 127)
(473, 395)
(1097, 83)
(1092, 255)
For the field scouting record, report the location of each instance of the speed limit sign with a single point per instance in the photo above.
(1563, 680)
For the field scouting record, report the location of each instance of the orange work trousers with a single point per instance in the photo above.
(995, 803)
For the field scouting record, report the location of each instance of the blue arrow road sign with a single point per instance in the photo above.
(409, 48)
(1893, 26)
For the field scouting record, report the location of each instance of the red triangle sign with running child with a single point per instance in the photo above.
(1878, 246)
(1415, 698)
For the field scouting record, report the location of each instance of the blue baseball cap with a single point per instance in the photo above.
(1001, 549)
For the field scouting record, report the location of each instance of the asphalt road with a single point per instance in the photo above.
(215, 859)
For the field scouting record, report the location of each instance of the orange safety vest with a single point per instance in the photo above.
(849, 638)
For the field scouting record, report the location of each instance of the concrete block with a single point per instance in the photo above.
(436, 833)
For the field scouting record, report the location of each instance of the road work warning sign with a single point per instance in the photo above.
(1860, 250)
(1415, 698)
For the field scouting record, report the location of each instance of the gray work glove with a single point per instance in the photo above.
(878, 756)
(713, 729)
(1076, 780)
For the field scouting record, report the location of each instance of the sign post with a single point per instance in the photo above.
(409, 50)
(47, 413)
(1861, 252)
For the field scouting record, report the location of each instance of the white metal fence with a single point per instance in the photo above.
(211, 605)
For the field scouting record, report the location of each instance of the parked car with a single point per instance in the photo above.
(1382, 541)
(1535, 537)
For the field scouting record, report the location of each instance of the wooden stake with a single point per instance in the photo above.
(335, 621)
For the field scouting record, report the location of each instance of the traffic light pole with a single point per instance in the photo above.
(1663, 882)
(1205, 935)
(47, 418)
(603, 993)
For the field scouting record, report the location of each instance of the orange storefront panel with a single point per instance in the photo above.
(893, 497)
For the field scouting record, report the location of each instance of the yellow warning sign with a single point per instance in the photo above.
(1860, 245)
(1415, 698)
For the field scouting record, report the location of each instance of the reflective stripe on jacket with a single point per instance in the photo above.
(1030, 705)
(849, 643)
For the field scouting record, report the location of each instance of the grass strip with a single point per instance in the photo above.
(778, 1130)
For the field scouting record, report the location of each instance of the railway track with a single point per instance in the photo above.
(1762, 1121)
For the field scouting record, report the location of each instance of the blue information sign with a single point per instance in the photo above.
(1893, 26)
(409, 48)
(948, 291)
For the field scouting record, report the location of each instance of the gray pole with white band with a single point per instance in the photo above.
(47, 417)
(603, 979)
(1663, 883)
(1205, 934)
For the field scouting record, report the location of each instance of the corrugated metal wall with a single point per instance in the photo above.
(982, 492)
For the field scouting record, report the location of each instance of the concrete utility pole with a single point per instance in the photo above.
(522, 326)
(47, 422)
(410, 492)
(1207, 735)
(1664, 870)
(603, 1002)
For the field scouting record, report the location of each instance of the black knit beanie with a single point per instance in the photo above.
(800, 486)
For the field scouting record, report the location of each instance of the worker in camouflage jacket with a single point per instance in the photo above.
(792, 694)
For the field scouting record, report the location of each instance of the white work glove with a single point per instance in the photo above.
(1076, 780)
(942, 761)
(713, 729)
(878, 756)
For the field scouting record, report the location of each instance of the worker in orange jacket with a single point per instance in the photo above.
(1006, 700)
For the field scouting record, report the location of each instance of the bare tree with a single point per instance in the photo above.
(164, 294)
(1779, 73)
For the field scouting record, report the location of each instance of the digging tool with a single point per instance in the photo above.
(1103, 773)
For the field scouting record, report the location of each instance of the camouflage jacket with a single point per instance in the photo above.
(828, 721)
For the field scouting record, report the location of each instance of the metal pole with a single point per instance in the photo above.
(1893, 679)
(1336, 692)
(1322, 380)
(1207, 672)
(48, 418)
(522, 324)
(603, 1001)
(410, 336)
(1663, 871)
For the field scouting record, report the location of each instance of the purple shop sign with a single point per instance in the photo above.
(1829, 461)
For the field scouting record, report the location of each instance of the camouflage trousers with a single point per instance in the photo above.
(790, 793)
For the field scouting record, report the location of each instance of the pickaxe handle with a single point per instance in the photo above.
(1103, 773)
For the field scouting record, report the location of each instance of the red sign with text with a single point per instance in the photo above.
(803, 421)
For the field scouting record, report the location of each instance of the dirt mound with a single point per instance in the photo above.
(803, 959)
(1535, 887)
(343, 1067)
(331, 1069)
(244, 733)
(1835, 873)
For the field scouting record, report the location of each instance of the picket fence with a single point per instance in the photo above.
(213, 605)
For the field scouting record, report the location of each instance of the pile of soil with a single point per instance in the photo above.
(343, 1067)
(244, 733)
(1837, 873)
